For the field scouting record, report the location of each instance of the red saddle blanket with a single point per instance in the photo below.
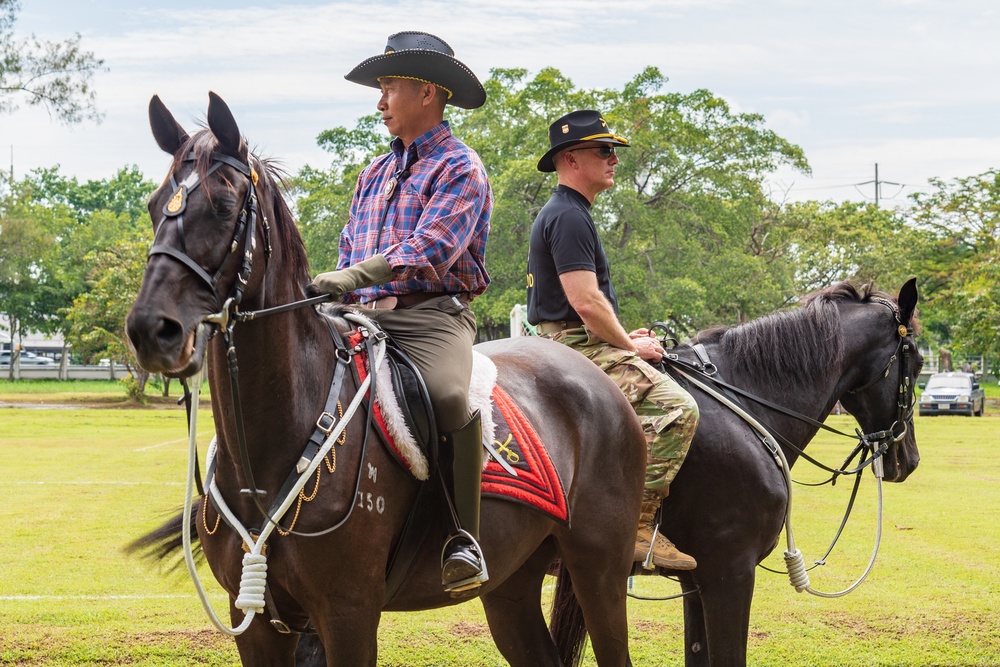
(537, 482)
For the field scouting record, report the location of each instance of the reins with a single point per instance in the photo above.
(328, 428)
(251, 598)
(702, 374)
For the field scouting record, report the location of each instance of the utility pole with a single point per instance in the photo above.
(879, 184)
(876, 185)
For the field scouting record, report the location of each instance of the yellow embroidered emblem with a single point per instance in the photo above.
(176, 202)
(504, 448)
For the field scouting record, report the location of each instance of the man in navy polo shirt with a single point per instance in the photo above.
(572, 301)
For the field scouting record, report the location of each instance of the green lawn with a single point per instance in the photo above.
(80, 483)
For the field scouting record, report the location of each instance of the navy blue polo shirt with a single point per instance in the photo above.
(563, 238)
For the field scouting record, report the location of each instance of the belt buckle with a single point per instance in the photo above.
(326, 423)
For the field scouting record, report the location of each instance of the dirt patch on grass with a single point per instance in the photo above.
(951, 626)
(470, 630)
(198, 639)
(67, 402)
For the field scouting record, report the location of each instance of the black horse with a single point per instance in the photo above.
(727, 505)
(225, 244)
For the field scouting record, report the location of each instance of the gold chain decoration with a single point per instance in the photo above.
(204, 516)
(331, 465)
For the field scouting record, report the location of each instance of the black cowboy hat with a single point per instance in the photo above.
(577, 127)
(423, 57)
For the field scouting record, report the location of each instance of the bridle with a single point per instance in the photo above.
(246, 225)
(253, 595)
(904, 348)
(876, 443)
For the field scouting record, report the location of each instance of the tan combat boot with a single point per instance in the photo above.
(665, 554)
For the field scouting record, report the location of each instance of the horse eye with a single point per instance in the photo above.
(224, 208)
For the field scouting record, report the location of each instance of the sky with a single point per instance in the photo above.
(910, 85)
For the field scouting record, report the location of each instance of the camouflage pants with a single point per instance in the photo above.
(668, 414)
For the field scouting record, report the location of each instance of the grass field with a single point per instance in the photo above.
(80, 483)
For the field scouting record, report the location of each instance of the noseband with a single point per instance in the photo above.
(246, 224)
(904, 400)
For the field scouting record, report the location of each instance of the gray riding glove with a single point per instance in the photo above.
(373, 271)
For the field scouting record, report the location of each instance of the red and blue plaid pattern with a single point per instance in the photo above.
(435, 230)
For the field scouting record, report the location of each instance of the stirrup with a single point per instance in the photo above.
(470, 544)
(647, 563)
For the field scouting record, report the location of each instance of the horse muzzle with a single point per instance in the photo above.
(162, 345)
(901, 458)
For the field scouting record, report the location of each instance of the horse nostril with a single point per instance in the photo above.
(151, 333)
(168, 333)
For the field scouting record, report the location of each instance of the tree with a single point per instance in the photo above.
(25, 285)
(54, 75)
(960, 271)
(97, 316)
(323, 197)
(53, 231)
(681, 227)
(853, 241)
(686, 228)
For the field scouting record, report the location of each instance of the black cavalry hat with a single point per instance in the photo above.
(577, 127)
(423, 57)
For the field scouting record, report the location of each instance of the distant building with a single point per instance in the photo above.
(40, 344)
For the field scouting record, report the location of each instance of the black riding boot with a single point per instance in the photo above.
(462, 564)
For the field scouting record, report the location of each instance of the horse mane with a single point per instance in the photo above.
(803, 343)
(286, 238)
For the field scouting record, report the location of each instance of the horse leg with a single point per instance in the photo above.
(515, 616)
(600, 589)
(695, 642)
(263, 646)
(350, 636)
(726, 600)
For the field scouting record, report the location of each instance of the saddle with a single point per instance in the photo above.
(413, 403)
(517, 467)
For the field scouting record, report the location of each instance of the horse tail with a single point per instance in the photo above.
(566, 623)
(167, 541)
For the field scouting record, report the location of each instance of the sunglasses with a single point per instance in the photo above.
(604, 151)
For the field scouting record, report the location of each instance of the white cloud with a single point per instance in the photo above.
(852, 83)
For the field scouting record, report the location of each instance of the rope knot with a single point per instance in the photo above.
(253, 583)
(797, 574)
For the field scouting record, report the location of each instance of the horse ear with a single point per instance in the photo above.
(169, 134)
(907, 300)
(223, 125)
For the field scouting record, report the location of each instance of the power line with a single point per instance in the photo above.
(879, 184)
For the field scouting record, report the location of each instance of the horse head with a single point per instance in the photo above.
(889, 325)
(209, 216)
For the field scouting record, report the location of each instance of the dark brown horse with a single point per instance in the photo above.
(226, 244)
(728, 503)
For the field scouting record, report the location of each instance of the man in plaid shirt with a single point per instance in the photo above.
(412, 254)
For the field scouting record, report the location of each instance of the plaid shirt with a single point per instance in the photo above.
(435, 230)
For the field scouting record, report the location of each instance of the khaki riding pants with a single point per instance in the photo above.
(437, 335)
(668, 414)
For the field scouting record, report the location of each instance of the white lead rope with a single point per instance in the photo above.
(794, 560)
(253, 581)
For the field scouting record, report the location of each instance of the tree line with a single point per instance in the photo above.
(693, 235)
